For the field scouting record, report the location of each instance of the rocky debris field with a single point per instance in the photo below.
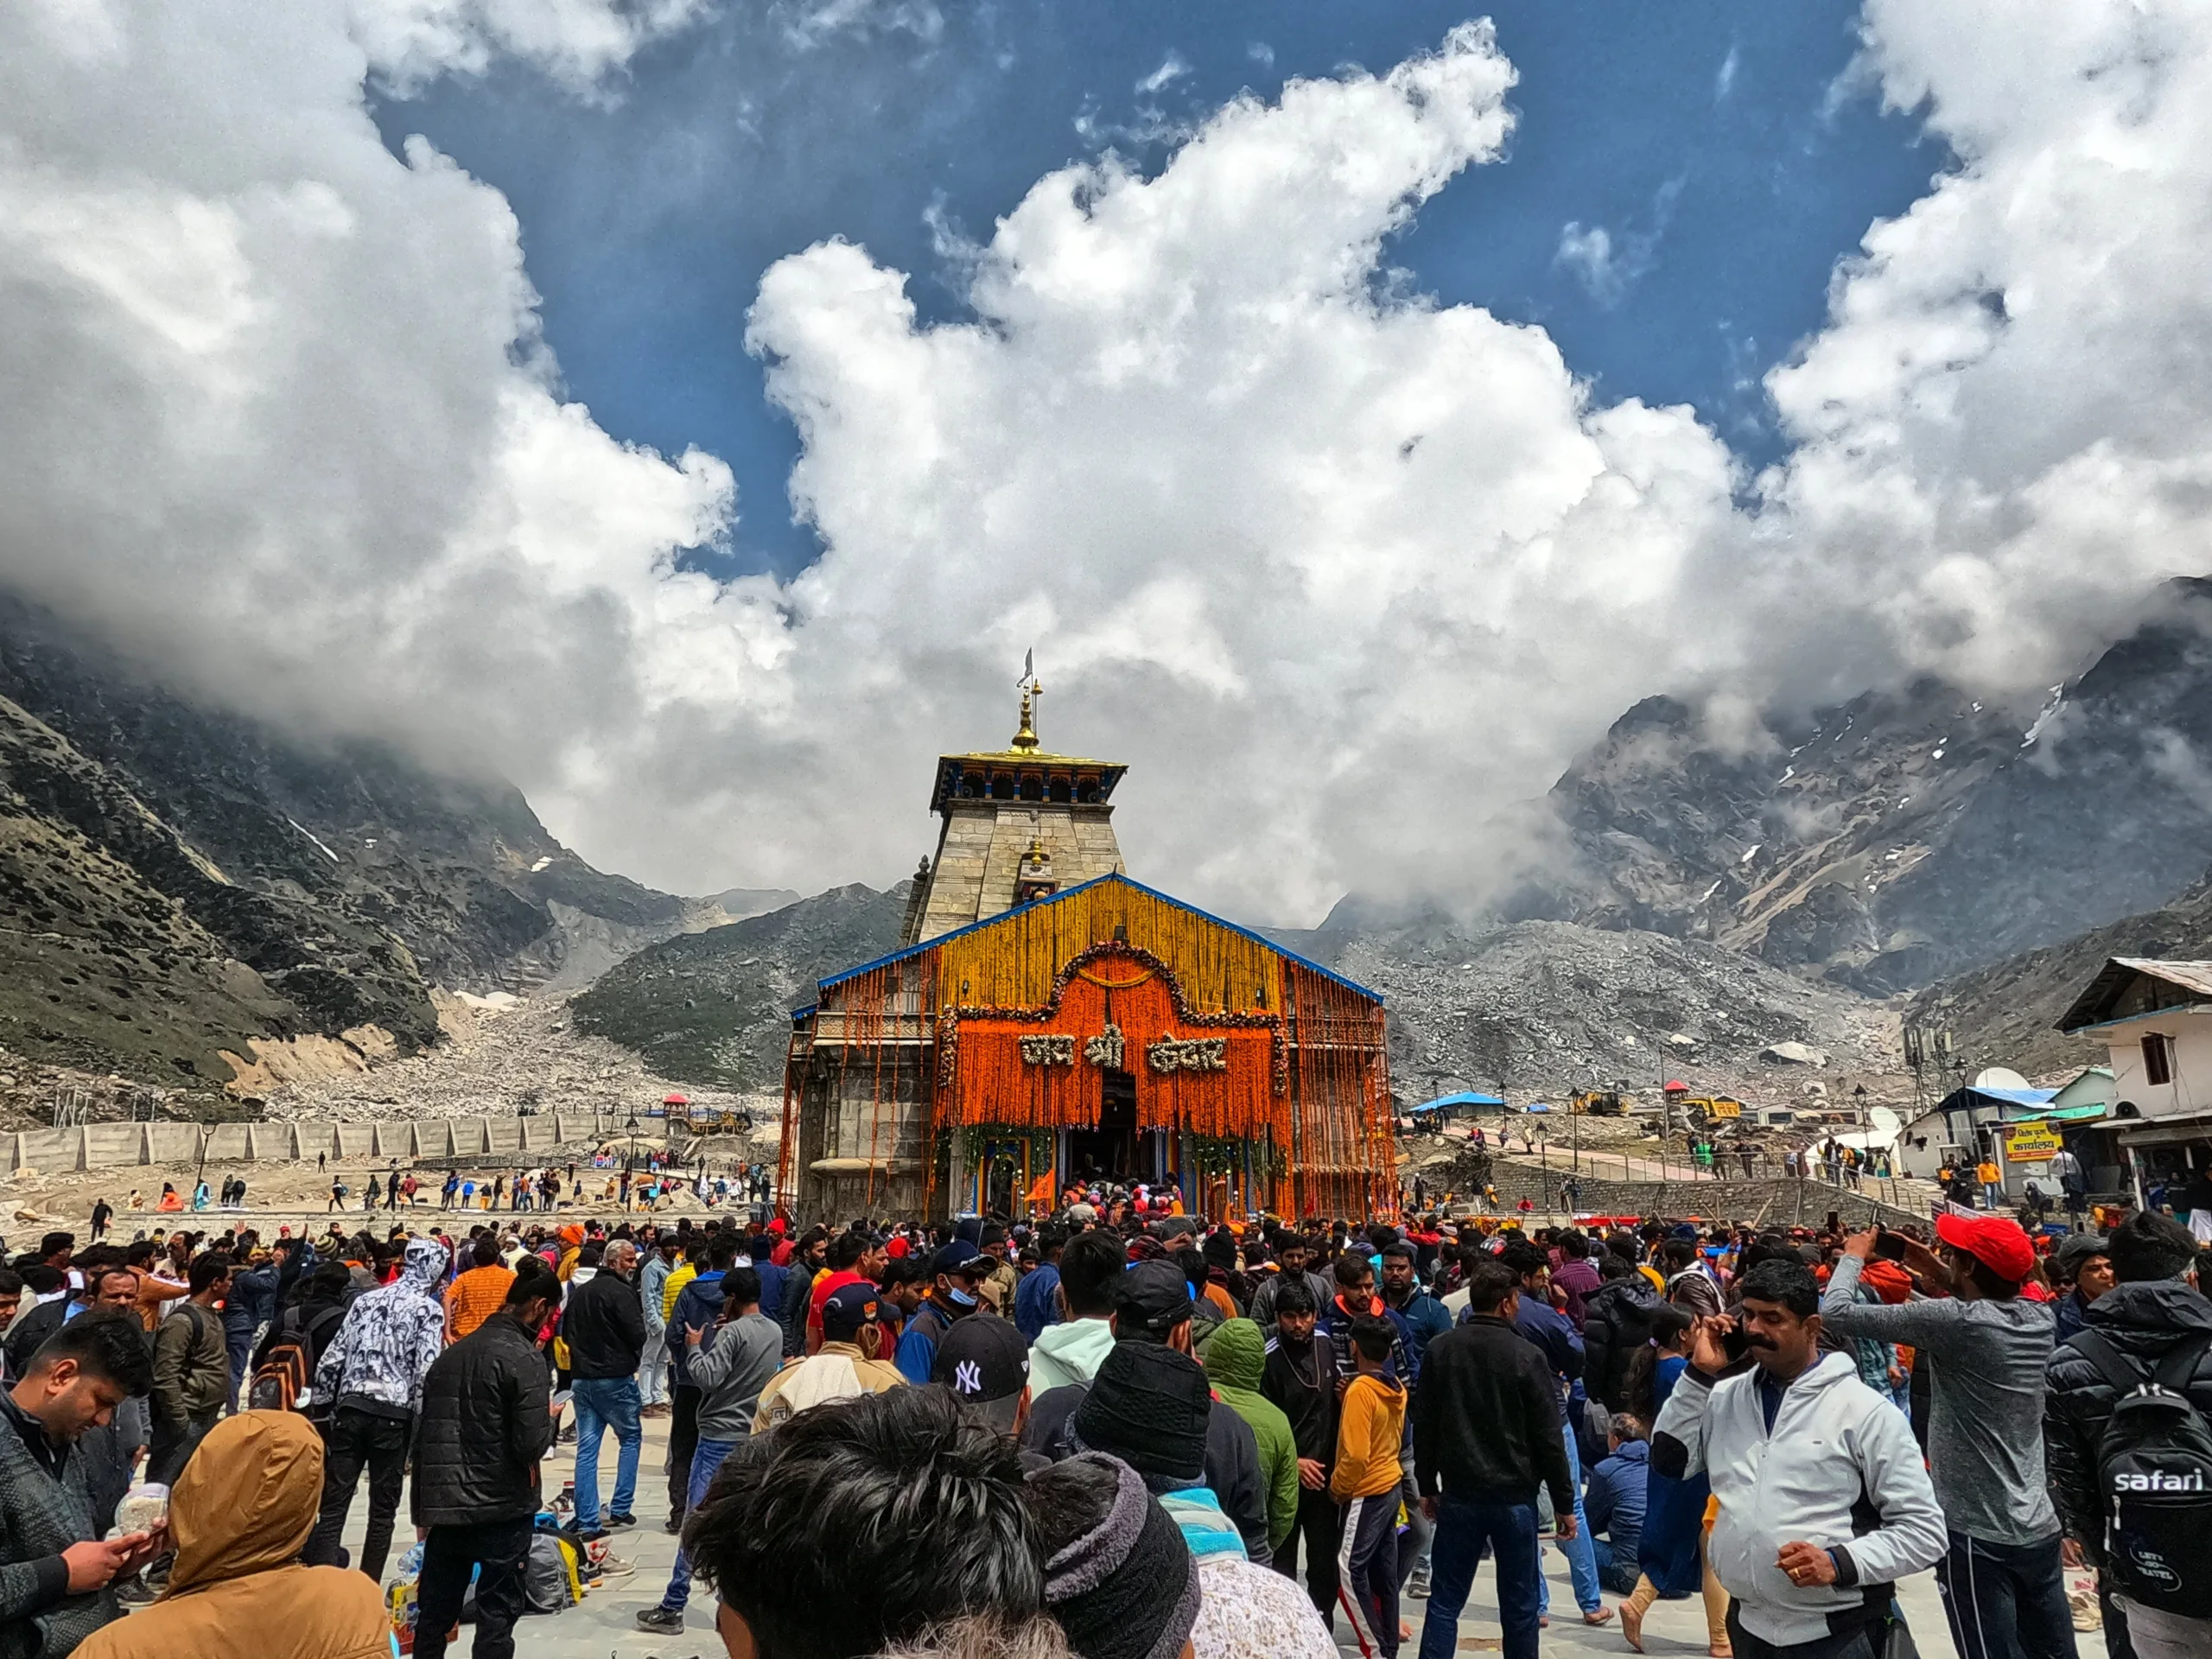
(1543, 1008)
(503, 1055)
(31, 1090)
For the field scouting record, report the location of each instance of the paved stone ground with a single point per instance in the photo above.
(603, 1626)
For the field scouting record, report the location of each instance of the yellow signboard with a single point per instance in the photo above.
(2032, 1143)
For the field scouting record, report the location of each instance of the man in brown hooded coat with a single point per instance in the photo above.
(238, 1517)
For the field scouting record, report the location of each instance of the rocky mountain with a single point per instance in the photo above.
(2005, 1014)
(1539, 1005)
(1542, 1007)
(1906, 835)
(176, 884)
(715, 1007)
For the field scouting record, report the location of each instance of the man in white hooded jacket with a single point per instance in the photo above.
(1824, 1502)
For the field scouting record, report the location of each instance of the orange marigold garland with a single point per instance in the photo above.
(1309, 1081)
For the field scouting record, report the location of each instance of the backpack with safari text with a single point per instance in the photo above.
(2154, 1473)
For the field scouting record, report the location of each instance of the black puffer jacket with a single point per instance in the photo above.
(485, 1422)
(2146, 1322)
(1619, 1317)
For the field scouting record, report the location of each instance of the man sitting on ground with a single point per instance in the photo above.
(1614, 1503)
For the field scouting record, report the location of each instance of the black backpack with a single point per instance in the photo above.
(2154, 1469)
(288, 1362)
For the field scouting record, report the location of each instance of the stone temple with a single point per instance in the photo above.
(1047, 1021)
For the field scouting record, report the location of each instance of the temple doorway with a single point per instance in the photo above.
(1004, 1162)
(1114, 1152)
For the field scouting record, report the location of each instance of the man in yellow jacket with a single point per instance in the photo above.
(1366, 1480)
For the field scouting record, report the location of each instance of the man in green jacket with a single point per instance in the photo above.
(1234, 1357)
(192, 1370)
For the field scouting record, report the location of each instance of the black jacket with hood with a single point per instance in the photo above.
(1620, 1315)
(2145, 1321)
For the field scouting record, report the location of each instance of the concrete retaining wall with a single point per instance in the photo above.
(1781, 1202)
(106, 1146)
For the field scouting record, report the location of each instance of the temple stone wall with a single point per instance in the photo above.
(983, 843)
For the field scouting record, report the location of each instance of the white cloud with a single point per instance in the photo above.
(1607, 268)
(1723, 79)
(1309, 557)
(1587, 250)
(2004, 433)
(580, 41)
(1172, 68)
(1339, 570)
(278, 417)
(809, 23)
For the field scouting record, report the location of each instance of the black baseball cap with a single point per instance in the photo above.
(848, 1308)
(1151, 1299)
(985, 1362)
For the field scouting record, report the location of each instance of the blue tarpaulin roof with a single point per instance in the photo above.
(1443, 1101)
(2010, 1103)
(2021, 1097)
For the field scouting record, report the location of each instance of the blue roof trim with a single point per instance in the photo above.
(1166, 899)
(1462, 1099)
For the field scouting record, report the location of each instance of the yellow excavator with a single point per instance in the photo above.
(1598, 1103)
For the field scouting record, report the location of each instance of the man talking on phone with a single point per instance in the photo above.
(1824, 1504)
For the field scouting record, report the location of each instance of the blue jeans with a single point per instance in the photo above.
(704, 1461)
(1617, 1572)
(1581, 1561)
(1465, 1527)
(604, 1402)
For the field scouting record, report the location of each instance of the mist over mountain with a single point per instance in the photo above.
(1888, 841)
(176, 883)
(179, 886)
(2004, 1013)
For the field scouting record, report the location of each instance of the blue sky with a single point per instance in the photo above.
(1710, 171)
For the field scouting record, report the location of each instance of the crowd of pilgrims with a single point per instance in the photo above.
(1143, 1436)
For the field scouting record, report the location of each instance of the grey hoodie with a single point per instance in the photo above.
(1985, 1430)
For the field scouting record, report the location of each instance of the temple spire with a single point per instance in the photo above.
(1032, 689)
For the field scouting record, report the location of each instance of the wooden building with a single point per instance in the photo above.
(1066, 1029)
